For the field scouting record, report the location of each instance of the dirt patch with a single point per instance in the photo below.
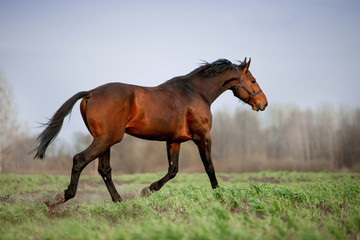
(6, 199)
(226, 178)
(340, 176)
(59, 212)
(123, 182)
(265, 180)
(93, 183)
(40, 197)
(345, 205)
(164, 209)
(302, 180)
(235, 210)
(92, 196)
(245, 206)
(325, 208)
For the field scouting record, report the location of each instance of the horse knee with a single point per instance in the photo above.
(104, 172)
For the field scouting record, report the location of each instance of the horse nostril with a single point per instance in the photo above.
(258, 105)
(261, 107)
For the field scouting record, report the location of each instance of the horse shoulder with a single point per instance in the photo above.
(199, 119)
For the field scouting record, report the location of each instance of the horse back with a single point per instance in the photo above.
(153, 113)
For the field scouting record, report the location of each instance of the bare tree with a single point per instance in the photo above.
(348, 141)
(8, 126)
(221, 135)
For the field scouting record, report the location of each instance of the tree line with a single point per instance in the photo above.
(284, 137)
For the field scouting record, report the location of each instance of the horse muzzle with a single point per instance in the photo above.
(259, 106)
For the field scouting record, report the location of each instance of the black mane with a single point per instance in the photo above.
(207, 70)
(215, 68)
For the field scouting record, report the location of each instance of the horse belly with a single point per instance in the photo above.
(158, 128)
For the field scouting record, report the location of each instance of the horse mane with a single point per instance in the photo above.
(207, 70)
(215, 68)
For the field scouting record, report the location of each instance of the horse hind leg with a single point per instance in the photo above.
(104, 170)
(80, 161)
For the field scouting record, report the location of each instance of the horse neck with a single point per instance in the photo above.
(210, 88)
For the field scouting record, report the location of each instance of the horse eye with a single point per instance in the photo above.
(253, 81)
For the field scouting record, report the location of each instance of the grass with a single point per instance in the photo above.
(265, 205)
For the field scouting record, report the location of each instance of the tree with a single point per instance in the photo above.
(8, 126)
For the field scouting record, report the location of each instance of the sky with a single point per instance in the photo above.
(303, 52)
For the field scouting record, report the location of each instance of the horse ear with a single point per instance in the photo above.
(247, 65)
(244, 62)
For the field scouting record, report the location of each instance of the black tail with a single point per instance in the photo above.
(54, 125)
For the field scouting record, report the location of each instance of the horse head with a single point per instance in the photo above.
(248, 89)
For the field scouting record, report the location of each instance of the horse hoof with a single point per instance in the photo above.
(145, 192)
(60, 198)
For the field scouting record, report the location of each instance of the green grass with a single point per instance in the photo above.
(265, 205)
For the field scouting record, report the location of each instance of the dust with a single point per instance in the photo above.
(89, 192)
(92, 197)
(93, 183)
(41, 197)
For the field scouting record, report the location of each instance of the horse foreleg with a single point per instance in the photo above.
(173, 158)
(104, 169)
(204, 146)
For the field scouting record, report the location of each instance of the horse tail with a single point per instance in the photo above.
(54, 125)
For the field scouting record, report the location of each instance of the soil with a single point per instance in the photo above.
(265, 180)
(86, 193)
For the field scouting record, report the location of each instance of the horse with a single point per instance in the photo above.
(175, 111)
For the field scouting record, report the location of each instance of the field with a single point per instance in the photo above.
(265, 205)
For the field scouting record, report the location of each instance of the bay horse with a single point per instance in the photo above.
(176, 111)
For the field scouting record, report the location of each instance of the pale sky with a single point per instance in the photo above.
(303, 52)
